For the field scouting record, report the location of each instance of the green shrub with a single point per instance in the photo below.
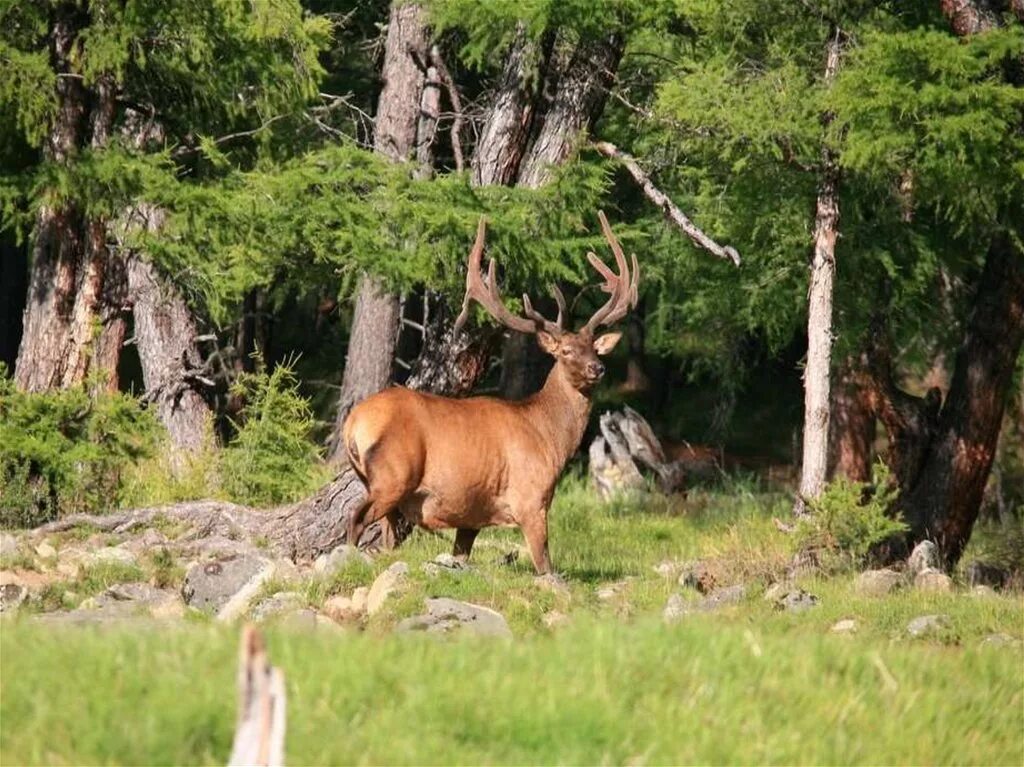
(272, 458)
(849, 518)
(66, 451)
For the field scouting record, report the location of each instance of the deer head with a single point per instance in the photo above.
(576, 352)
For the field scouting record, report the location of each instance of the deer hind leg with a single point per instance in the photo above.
(535, 530)
(464, 538)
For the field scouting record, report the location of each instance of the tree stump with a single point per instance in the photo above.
(625, 440)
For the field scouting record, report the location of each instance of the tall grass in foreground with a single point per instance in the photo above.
(595, 693)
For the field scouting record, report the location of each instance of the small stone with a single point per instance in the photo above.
(359, 598)
(777, 591)
(999, 639)
(669, 569)
(281, 602)
(796, 601)
(8, 545)
(698, 575)
(983, 591)
(845, 626)
(552, 582)
(612, 590)
(877, 583)
(338, 559)
(45, 551)
(933, 582)
(728, 595)
(925, 556)
(111, 555)
(925, 625)
(675, 609)
(553, 619)
(386, 584)
(445, 616)
(11, 596)
(342, 609)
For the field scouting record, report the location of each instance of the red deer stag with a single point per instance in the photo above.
(478, 462)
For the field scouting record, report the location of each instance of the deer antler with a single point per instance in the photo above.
(621, 286)
(485, 292)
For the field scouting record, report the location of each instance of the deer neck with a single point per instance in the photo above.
(560, 413)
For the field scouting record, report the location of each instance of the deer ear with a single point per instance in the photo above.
(606, 343)
(547, 342)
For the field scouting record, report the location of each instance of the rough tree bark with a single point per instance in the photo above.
(852, 424)
(66, 332)
(942, 453)
(448, 364)
(814, 466)
(375, 321)
(579, 98)
(943, 467)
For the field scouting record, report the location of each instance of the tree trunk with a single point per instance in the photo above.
(453, 366)
(503, 138)
(375, 322)
(68, 329)
(942, 500)
(581, 91)
(814, 465)
(578, 102)
(165, 336)
(637, 381)
(851, 426)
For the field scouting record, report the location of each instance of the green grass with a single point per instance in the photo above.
(747, 684)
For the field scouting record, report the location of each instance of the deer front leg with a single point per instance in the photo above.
(464, 543)
(535, 530)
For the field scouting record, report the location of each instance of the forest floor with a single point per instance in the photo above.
(594, 672)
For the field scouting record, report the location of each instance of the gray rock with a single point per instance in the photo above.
(983, 591)
(386, 584)
(777, 591)
(8, 545)
(122, 602)
(276, 605)
(728, 595)
(110, 555)
(446, 616)
(927, 625)
(669, 569)
(845, 626)
(675, 609)
(925, 556)
(225, 586)
(986, 574)
(933, 581)
(445, 563)
(796, 601)
(338, 559)
(877, 583)
(11, 596)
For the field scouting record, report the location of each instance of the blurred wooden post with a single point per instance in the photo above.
(259, 733)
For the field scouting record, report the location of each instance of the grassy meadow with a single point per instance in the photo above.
(588, 678)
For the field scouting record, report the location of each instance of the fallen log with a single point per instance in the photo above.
(626, 439)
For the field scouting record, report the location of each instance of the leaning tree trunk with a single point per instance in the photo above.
(66, 331)
(814, 466)
(375, 322)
